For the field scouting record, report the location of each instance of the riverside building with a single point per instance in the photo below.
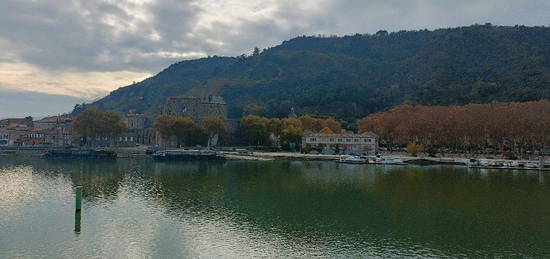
(345, 143)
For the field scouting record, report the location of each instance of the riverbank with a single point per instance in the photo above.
(141, 152)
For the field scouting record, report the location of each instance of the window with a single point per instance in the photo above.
(355, 140)
(312, 139)
(339, 140)
(331, 140)
(348, 140)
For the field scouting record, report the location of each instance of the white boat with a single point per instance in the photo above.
(511, 164)
(352, 160)
(532, 165)
(386, 160)
(503, 164)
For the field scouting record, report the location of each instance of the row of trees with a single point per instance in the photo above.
(253, 130)
(187, 132)
(261, 131)
(183, 131)
(504, 126)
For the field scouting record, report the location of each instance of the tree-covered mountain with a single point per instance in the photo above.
(349, 77)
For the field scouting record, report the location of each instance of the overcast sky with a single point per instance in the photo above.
(86, 48)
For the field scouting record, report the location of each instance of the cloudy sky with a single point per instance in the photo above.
(79, 50)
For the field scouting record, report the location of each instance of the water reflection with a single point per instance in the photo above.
(139, 208)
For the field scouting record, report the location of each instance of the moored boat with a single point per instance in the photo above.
(186, 155)
(505, 164)
(352, 160)
(80, 154)
(386, 160)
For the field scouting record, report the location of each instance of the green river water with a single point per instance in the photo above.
(241, 209)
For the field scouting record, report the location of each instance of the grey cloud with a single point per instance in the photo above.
(95, 35)
(76, 34)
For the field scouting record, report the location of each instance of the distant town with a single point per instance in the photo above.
(202, 122)
(186, 121)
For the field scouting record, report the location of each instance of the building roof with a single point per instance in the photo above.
(56, 119)
(14, 120)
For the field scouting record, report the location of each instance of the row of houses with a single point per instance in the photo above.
(57, 131)
(49, 131)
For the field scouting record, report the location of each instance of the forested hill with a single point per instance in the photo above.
(351, 76)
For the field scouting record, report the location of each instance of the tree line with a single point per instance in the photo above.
(262, 131)
(504, 127)
(187, 133)
(253, 130)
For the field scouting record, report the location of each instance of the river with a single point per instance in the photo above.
(240, 209)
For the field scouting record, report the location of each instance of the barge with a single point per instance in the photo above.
(80, 154)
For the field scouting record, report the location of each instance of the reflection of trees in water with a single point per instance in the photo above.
(465, 206)
(452, 209)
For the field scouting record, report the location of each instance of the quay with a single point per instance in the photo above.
(141, 152)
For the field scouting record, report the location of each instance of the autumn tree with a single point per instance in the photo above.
(214, 126)
(294, 122)
(515, 127)
(93, 123)
(334, 125)
(291, 135)
(253, 130)
(164, 125)
(308, 123)
(414, 148)
(184, 129)
(275, 127)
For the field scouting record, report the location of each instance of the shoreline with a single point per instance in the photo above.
(488, 163)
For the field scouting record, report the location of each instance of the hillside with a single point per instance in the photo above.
(352, 76)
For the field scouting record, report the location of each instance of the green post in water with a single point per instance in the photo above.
(78, 192)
